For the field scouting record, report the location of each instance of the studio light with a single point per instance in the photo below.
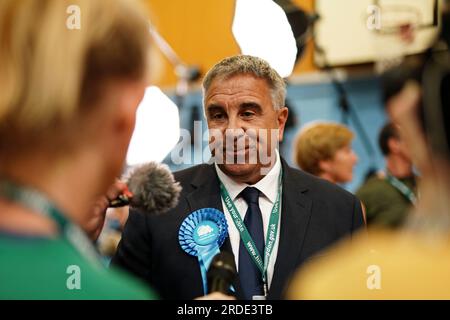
(157, 128)
(262, 29)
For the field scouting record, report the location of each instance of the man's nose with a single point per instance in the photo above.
(232, 135)
(234, 122)
(235, 127)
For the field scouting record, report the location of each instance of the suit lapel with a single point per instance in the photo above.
(206, 194)
(295, 216)
(296, 212)
(206, 191)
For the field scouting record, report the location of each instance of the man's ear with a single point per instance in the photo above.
(282, 116)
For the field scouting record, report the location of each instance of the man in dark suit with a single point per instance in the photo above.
(244, 103)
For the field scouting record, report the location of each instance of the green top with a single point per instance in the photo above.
(385, 205)
(42, 268)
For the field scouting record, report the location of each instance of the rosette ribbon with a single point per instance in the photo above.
(202, 234)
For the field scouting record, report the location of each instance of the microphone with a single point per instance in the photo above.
(221, 273)
(152, 189)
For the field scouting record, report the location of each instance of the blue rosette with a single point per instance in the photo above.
(202, 234)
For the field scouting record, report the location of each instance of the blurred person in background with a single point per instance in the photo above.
(388, 198)
(67, 112)
(412, 262)
(324, 150)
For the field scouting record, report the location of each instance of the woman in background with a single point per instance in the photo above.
(324, 150)
(67, 111)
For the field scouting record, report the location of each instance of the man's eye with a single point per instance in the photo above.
(218, 116)
(247, 114)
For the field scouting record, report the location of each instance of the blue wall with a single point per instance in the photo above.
(312, 102)
(321, 101)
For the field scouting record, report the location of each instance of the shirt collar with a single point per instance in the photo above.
(267, 185)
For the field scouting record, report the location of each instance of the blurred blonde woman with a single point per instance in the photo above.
(324, 149)
(67, 111)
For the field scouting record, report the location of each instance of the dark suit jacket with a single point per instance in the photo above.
(315, 214)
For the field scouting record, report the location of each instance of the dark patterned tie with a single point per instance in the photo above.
(249, 274)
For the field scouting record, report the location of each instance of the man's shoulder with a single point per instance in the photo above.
(373, 184)
(187, 175)
(316, 186)
(327, 202)
(294, 179)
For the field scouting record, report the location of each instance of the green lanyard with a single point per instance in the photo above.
(403, 188)
(37, 202)
(246, 237)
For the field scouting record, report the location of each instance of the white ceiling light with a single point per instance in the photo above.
(262, 29)
(157, 128)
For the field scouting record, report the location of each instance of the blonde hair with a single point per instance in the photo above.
(245, 64)
(317, 142)
(50, 74)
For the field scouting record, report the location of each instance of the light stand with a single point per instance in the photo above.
(185, 73)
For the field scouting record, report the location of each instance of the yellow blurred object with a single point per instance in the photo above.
(387, 265)
(108, 243)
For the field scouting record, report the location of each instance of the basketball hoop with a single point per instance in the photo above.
(393, 34)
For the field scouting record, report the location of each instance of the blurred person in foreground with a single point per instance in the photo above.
(324, 150)
(414, 262)
(388, 198)
(67, 111)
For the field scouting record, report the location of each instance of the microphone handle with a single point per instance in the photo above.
(121, 201)
(219, 285)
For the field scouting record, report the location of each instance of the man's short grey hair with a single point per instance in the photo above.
(245, 64)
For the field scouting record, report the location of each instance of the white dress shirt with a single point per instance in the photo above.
(268, 186)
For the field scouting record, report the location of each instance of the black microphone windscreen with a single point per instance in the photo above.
(222, 273)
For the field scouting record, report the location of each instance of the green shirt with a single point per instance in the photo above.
(42, 268)
(385, 205)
